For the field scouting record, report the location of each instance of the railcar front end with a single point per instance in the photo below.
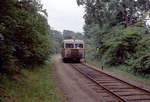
(72, 50)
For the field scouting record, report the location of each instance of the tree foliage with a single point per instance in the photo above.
(25, 34)
(58, 37)
(119, 31)
(121, 48)
(114, 11)
(68, 34)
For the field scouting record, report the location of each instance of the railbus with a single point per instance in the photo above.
(72, 49)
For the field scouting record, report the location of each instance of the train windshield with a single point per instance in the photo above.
(69, 45)
(78, 45)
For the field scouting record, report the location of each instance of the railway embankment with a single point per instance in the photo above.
(122, 73)
(122, 90)
(76, 87)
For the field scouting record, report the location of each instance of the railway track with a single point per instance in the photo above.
(120, 90)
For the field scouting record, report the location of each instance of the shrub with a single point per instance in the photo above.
(120, 48)
(142, 64)
(142, 56)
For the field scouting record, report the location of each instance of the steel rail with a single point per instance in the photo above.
(123, 100)
(110, 76)
(117, 79)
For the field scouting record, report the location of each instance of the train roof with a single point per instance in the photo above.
(72, 40)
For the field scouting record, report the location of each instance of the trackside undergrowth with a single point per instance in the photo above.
(37, 85)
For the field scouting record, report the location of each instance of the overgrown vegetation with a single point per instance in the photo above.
(25, 35)
(26, 43)
(119, 33)
(38, 85)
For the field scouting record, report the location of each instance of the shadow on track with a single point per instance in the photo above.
(71, 61)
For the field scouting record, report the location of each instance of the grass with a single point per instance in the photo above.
(38, 85)
(122, 70)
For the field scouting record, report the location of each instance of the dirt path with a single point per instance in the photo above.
(74, 86)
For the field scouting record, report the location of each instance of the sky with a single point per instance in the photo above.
(64, 15)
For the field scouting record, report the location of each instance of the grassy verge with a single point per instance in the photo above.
(38, 85)
(121, 69)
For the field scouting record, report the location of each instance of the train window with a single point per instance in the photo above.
(69, 45)
(81, 45)
(78, 45)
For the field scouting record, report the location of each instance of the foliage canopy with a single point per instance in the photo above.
(119, 30)
(25, 34)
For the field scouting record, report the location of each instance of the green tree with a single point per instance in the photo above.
(114, 11)
(67, 34)
(26, 37)
(57, 36)
(119, 31)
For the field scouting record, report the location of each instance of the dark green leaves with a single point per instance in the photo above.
(25, 35)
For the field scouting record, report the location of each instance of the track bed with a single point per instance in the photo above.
(113, 89)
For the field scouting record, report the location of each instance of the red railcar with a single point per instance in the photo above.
(73, 50)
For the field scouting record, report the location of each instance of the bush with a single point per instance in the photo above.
(143, 47)
(142, 56)
(121, 48)
(142, 64)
